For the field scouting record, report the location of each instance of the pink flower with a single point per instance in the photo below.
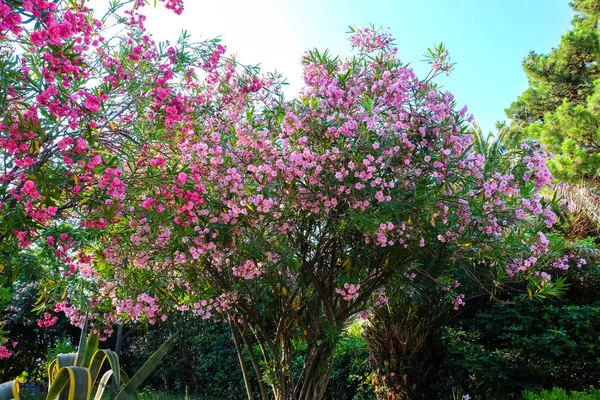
(47, 320)
(349, 292)
(248, 270)
(5, 353)
(81, 145)
(147, 204)
(30, 190)
(23, 238)
(182, 177)
(458, 301)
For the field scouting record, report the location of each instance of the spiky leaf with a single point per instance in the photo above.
(75, 382)
(149, 366)
(9, 390)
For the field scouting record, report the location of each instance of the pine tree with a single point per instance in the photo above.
(561, 109)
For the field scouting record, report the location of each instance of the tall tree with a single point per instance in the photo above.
(561, 109)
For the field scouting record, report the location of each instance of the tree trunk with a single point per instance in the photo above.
(119, 342)
(238, 350)
(315, 376)
(259, 377)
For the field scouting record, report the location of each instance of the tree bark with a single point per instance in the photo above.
(263, 389)
(238, 350)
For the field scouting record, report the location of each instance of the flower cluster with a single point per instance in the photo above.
(144, 306)
(370, 40)
(5, 352)
(248, 270)
(227, 191)
(47, 320)
(349, 292)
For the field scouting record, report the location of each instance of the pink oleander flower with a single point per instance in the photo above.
(30, 190)
(182, 177)
(147, 204)
(47, 320)
(458, 301)
(5, 352)
(248, 270)
(349, 292)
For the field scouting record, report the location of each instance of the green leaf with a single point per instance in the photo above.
(66, 360)
(74, 382)
(98, 360)
(83, 338)
(62, 361)
(149, 366)
(125, 379)
(91, 347)
(52, 369)
(102, 385)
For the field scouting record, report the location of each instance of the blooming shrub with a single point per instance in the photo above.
(196, 187)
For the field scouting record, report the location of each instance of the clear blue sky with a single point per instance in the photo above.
(486, 38)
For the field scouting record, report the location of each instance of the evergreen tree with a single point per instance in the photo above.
(561, 109)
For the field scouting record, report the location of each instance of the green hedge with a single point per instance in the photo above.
(499, 352)
(561, 394)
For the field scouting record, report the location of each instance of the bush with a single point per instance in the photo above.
(499, 352)
(561, 394)
(63, 346)
(350, 368)
(202, 361)
(33, 342)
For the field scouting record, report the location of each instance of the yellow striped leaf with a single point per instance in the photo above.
(9, 390)
(75, 382)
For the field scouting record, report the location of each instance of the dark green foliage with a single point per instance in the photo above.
(561, 394)
(350, 367)
(498, 352)
(33, 391)
(202, 361)
(34, 342)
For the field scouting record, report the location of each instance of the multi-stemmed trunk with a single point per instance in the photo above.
(273, 367)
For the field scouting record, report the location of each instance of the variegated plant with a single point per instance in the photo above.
(73, 376)
(9, 390)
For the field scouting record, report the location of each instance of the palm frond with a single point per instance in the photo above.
(583, 200)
